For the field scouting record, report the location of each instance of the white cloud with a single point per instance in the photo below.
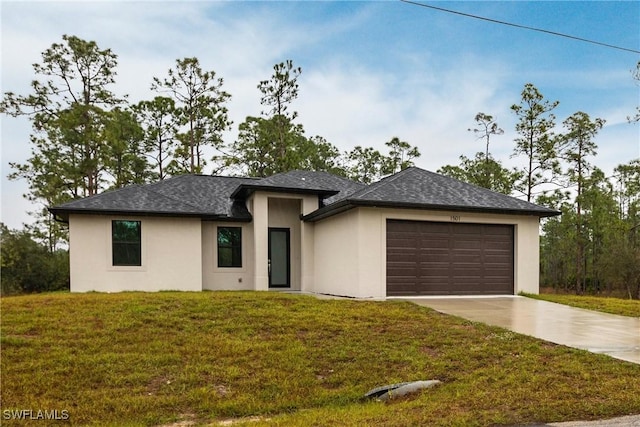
(353, 91)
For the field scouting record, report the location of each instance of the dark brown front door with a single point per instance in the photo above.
(441, 258)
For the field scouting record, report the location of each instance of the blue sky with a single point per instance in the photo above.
(371, 70)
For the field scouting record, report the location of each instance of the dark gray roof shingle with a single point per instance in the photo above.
(216, 197)
(418, 188)
(330, 187)
(185, 195)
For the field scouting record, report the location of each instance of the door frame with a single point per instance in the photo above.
(288, 256)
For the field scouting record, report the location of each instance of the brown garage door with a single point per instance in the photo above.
(440, 258)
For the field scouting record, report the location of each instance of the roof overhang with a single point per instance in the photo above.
(245, 190)
(345, 205)
(62, 215)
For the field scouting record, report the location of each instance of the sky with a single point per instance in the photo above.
(371, 71)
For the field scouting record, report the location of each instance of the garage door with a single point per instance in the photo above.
(441, 258)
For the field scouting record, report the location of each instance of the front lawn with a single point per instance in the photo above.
(202, 358)
(622, 307)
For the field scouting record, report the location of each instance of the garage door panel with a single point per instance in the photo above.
(497, 270)
(433, 271)
(464, 257)
(498, 246)
(461, 228)
(501, 261)
(497, 230)
(402, 244)
(432, 258)
(398, 257)
(403, 276)
(425, 251)
(466, 244)
(433, 244)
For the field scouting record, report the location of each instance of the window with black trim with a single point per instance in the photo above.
(229, 246)
(126, 243)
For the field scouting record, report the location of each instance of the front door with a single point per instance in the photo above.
(279, 254)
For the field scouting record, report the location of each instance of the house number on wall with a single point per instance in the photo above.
(455, 218)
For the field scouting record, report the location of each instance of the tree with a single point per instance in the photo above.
(258, 148)
(126, 162)
(277, 93)
(483, 172)
(577, 146)
(281, 89)
(401, 155)
(28, 266)
(600, 215)
(536, 140)
(252, 150)
(557, 249)
(201, 104)
(609, 236)
(317, 154)
(257, 153)
(486, 126)
(365, 164)
(68, 109)
(628, 179)
(622, 257)
(273, 143)
(160, 124)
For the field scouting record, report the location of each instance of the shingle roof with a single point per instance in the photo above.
(185, 195)
(418, 188)
(330, 187)
(211, 197)
(216, 197)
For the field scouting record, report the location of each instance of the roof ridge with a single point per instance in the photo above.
(386, 179)
(253, 178)
(200, 175)
(485, 190)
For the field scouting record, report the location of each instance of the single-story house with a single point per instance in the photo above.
(410, 234)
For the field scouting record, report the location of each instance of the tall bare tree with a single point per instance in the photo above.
(577, 146)
(485, 127)
(536, 141)
(278, 93)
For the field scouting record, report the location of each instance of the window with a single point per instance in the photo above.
(126, 247)
(229, 247)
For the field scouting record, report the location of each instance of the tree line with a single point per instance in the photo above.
(86, 139)
(594, 246)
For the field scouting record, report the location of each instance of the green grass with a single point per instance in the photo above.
(152, 359)
(622, 307)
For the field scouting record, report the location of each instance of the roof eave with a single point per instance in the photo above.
(244, 190)
(63, 214)
(347, 204)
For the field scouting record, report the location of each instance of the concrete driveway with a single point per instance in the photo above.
(616, 336)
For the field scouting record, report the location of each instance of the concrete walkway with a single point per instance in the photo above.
(616, 336)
